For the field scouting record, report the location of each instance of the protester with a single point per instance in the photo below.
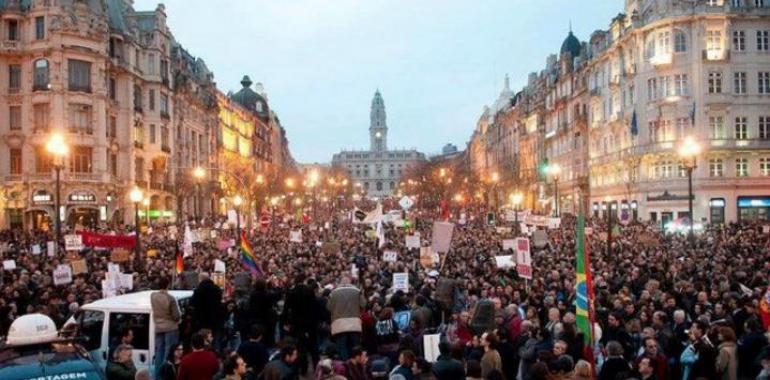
(121, 367)
(170, 368)
(166, 315)
(282, 368)
(345, 307)
(200, 364)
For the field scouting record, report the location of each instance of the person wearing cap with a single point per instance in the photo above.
(345, 304)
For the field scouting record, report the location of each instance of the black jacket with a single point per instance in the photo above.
(447, 368)
(207, 305)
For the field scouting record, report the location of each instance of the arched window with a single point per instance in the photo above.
(260, 107)
(41, 75)
(379, 186)
(680, 41)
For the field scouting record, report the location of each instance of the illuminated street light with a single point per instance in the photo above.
(199, 172)
(689, 151)
(136, 196)
(554, 170)
(58, 149)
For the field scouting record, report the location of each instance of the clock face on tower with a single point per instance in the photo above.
(378, 135)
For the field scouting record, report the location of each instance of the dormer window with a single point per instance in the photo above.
(260, 107)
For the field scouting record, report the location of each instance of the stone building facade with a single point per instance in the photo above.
(377, 171)
(613, 111)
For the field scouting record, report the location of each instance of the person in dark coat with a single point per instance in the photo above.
(253, 351)
(207, 307)
(704, 367)
(303, 317)
(446, 367)
(616, 367)
(261, 308)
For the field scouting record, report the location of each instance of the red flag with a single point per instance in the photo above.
(764, 308)
(179, 262)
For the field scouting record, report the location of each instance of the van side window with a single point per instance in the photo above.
(139, 323)
(91, 326)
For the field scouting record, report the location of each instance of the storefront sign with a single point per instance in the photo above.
(42, 196)
(82, 197)
(157, 214)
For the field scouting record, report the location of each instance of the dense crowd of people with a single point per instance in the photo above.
(665, 308)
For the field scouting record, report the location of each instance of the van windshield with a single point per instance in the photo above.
(66, 360)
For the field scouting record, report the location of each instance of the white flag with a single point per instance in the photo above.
(380, 235)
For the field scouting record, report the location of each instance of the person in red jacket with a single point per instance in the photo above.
(200, 364)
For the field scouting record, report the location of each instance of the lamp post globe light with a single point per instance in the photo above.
(58, 148)
(689, 151)
(136, 196)
(554, 170)
(199, 173)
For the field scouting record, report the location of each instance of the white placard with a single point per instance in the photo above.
(108, 289)
(319, 244)
(126, 281)
(389, 256)
(412, 241)
(232, 217)
(9, 264)
(504, 262)
(508, 244)
(765, 229)
(539, 238)
(219, 266)
(51, 247)
(353, 271)
(430, 347)
(62, 275)
(523, 258)
(73, 242)
(295, 236)
(113, 268)
(36, 249)
(401, 281)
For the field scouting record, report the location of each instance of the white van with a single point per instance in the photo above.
(103, 321)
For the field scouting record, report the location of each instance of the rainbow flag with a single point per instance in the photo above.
(584, 288)
(248, 258)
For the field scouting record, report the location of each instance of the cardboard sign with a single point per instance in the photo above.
(62, 275)
(426, 260)
(51, 247)
(152, 253)
(442, 237)
(412, 241)
(401, 281)
(79, 266)
(389, 256)
(504, 262)
(9, 264)
(73, 242)
(120, 255)
(508, 244)
(503, 230)
(36, 249)
(430, 346)
(219, 266)
(523, 258)
(295, 236)
(330, 248)
(73, 255)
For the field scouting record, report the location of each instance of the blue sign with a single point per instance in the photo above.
(754, 202)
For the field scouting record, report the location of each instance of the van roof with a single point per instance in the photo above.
(139, 301)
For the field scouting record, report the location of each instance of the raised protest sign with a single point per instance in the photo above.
(219, 266)
(412, 241)
(36, 250)
(9, 264)
(51, 248)
(389, 256)
(79, 266)
(523, 258)
(73, 242)
(295, 236)
(504, 262)
(330, 248)
(539, 238)
(62, 275)
(430, 347)
(442, 237)
(401, 281)
(120, 255)
(508, 244)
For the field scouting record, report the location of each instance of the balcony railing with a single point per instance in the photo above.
(716, 55)
(13, 178)
(39, 177)
(165, 148)
(11, 45)
(41, 87)
(79, 88)
(84, 177)
(165, 115)
(157, 186)
(138, 144)
(661, 59)
(141, 183)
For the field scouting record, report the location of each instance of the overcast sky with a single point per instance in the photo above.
(436, 62)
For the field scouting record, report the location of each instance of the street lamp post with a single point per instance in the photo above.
(554, 171)
(608, 209)
(689, 152)
(146, 204)
(516, 199)
(199, 173)
(495, 180)
(59, 149)
(237, 201)
(136, 197)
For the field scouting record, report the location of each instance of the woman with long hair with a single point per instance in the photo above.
(169, 369)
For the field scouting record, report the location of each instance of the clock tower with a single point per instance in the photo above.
(378, 129)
